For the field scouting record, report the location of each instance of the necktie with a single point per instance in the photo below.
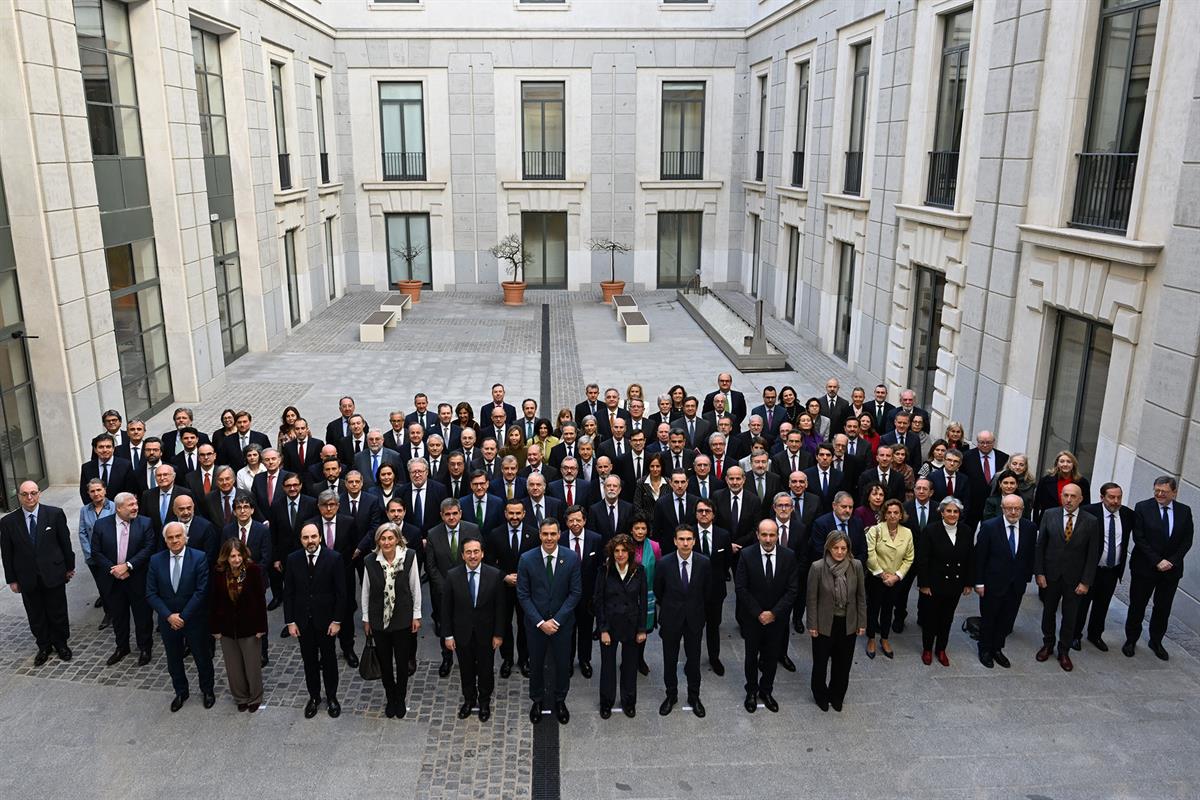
(292, 514)
(133, 451)
(762, 488)
(1070, 528)
(692, 431)
(921, 517)
(683, 576)
(312, 563)
(471, 586)
(637, 468)
(357, 446)
(842, 526)
(33, 529)
(734, 511)
(612, 417)
(123, 543)
(682, 511)
(783, 535)
(454, 545)
(578, 548)
(329, 536)
(300, 451)
(374, 465)
(454, 487)
(704, 547)
(550, 569)
(537, 513)
(478, 512)
(1112, 541)
(228, 510)
(987, 467)
(354, 508)
(852, 450)
(164, 504)
(720, 464)
(617, 444)
(769, 415)
(245, 441)
(418, 512)
(704, 488)
(207, 482)
(243, 534)
(1012, 540)
(837, 463)
(270, 488)
(949, 484)
(1166, 522)
(768, 570)
(433, 466)
(516, 540)
(678, 461)
(570, 494)
(879, 415)
(794, 467)
(104, 474)
(190, 463)
(509, 489)
(825, 482)
(883, 478)
(612, 517)
(175, 565)
(528, 430)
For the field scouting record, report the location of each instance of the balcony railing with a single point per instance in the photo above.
(682, 165)
(1104, 191)
(853, 182)
(797, 168)
(943, 178)
(285, 171)
(324, 167)
(542, 165)
(404, 166)
(758, 165)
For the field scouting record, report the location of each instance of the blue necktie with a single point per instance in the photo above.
(684, 576)
(164, 503)
(375, 465)
(33, 529)
(175, 565)
(471, 586)
(1166, 523)
(1012, 540)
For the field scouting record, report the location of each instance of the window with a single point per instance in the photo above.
(858, 119)
(762, 128)
(952, 97)
(1108, 163)
(231, 306)
(281, 146)
(845, 303)
(402, 112)
(755, 232)
(542, 109)
(544, 237)
(683, 131)
(293, 276)
(801, 124)
(330, 264)
(408, 248)
(928, 289)
(138, 326)
(1075, 404)
(210, 92)
(322, 151)
(678, 248)
(793, 273)
(106, 61)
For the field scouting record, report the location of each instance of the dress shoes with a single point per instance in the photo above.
(630, 709)
(253, 707)
(605, 712)
(986, 659)
(64, 653)
(643, 667)
(523, 666)
(926, 657)
(464, 711)
(1064, 661)
(871, 649)
(585, 669)
(351, 658)
(942, 658)
(178, 702)
(117, 655)
(98, 602)
(787, 663)
(310, 708)
(265, 661)
(1128, 649)
(560, 712)
(898, 625)
(823, 705)
(401, 709)
(1160, 651)
(1076, 644)
(769, 701)
(210, 700)
(243, 706)
(143, 658)
(836, 706)
(285, 633)
(274, 604)
(667, 705)
(535, 713)
(105, 623)
(445, 667)
(886, 649)
(43, 655)
(505, 669)
(485, 711)
(1098, 643)
(717, 667)
(412, 667)
(1001, 659)
(751, 702)
(1045, 653)
(333, 707)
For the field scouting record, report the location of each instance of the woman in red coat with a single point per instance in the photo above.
(237, 618)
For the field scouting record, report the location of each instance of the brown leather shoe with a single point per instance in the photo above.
(1064, 661)
(1045, 653)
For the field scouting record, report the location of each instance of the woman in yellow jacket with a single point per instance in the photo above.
(889, 558)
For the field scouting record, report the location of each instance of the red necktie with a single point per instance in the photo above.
(720, 461)
(570, 494)
(949, 484)
(300, 451)
(578, 552)
(270, 487)
(987, 469)
(207, 482)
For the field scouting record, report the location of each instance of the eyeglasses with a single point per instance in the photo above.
(34, 493)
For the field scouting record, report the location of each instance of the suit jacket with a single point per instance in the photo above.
(683, 609)
(962, 490)
(104, 551)
(688, 455)
(666, 517)
(774, 485)
(143, 477)
(945, 567)
(781, 463)
(895, 488)
(604, 427)
(1128, 522)
(620, 605)
(996, 568)
(49, 560)
(493, 512)
(598, 519)
(485, 415)
(852, 467)
(559, 452)
(834, 410)
(212, 506)
(431, 501)
(499, 552)
(1152, 544)
(243, 617)
(451, 439)
(259, 493)
(545, 470)
(581, 491)
(715, 485)
(583, 409)
(703, 429)
(394, 441)
(756, 594)
(230, 451)
(591, 555)
(194, 481)
(317, 599)
(120, 478)
(972, 467)
(202, 536)
(836, 480)
(312, 455)
(825, 523)
(713, 420)
(190, 600)
(720, 556)
(428, 420)
(736, 404)
(370, 516)
(743, 530)
(778, 417)
(334, 435)
(804, 514)
(1074, 561)
(344, 541)
(362, 463)
(885, 422)
(498, 488)
(551, 507)
(258, 539)
(346, 452)
(170, 444)
(467, 622)
(542, 597)
(148, 506)
(438, 558)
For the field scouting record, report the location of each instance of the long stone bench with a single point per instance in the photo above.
(371, 328)
(624, 303)
(396, 303)
(637, 329)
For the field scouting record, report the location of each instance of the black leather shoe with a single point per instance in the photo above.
(105, 623)
(605, 712)
(412, 667)
(561, 714)
(285, 633)
(334, 708)
(143, 658)
(43, 655)
(64, 653)
(243, 706)
(1076, 644)
(535, 713)
(310, 708)
(351, 658)
(445, 667)
(630, 709)
(98, 603)
(823, 705)
(210, 700)
(485, 711)
(1001, 659)
(1160, 651)
(178, 702)
(464, 711)
(697, 707)
(770, 702)
(274, 604)
(717, 667)
(505, 669)
(524, 667)
(667, 705)
(643, 668)
(751, 702)
(117, 655)
(985, 658)
(585, 669)
(1098, 643)
(265, 661)
(787, 663)
(1128, 649)
(836, 706)
(898, 625)
(401, 709)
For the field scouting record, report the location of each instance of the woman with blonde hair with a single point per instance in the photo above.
(836, 611)
(1049, 487)
(391, 604)
(889, 558)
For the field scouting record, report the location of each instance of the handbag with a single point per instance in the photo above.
(368, 663)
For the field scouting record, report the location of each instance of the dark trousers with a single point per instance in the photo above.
(801, 597)
(276, 578)
(1059, 591)
(881, 602)
(558, 646)
(906, 585)
(998, 609)
(197, 637)
(394, 647)
(46, 609)
(1098, 598)
(608, 673)
(1160, 586)
(712, 626)
(764, 644)
(937, 614)
(522, 638)
(475, 668)
(320, 660)
(581, 634)
(829, 680)
(346, 634)
(691, 665)
(122, 599)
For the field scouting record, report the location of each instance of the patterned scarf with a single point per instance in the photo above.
(389, 583)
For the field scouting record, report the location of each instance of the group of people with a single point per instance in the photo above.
(544, 540)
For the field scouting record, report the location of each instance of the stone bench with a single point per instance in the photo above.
(624, 303)
(371, 328)
(637, 329)
(397, 304)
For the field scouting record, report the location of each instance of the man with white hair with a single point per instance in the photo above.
(121, 548)
(177, 589)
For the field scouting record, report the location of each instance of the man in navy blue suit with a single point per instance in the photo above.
(484, 509)
(422, 416)
(1162, 533)
(841, 518)
(201, 534)
(538, 505)
(682, 586)
(422, 497)
(772, 415)
(314, 605)
(549, 586)
(611, 515)
(177, 589)
(485, 410)
(117, 473)
(1004, 553)
(268, 484)
(121, 548)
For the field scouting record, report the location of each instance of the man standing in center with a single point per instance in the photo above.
(549, 586)
(314, 604)
(1003, 566)
(473, 607)
(1068, 549)
(682, 586)
(177, 589)
(766, 584)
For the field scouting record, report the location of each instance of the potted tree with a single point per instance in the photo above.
(509, 249)
(612, 286)
(410, 253)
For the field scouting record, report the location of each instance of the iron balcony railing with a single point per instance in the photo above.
(682, 164)
(943, 178)
(853, 182)
(544, 165)
(404, 166)
(1104, 191)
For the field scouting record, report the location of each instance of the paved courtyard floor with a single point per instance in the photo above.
(1115, 727)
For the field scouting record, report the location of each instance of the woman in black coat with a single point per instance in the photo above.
(1049, 487)
(620, 608)
(944, 575)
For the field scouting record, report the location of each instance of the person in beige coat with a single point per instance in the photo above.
(837, 613)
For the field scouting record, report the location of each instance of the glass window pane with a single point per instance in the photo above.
(958, 29)
(400, 91)
(94, 66)
(144, 260)
(10, 301)
(116, 27)
(212, 54)
(219, 137)
(13, 371)
(391, 127)
(155, 344)
(232, 270)
(237, 336)
(89, 24)
(149, 307)
(554, 127)
(129, 132)
(120, 266)
(532, 120)
(159, 389)
(1105, 123)
(121, 81)
(414, 136)
(216, 94)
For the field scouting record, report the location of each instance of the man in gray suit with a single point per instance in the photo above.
(1068, 549)
(375, 456)
(443, 552)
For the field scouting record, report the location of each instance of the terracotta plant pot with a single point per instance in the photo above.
(514, 292)
(410, 288)
(609, 289)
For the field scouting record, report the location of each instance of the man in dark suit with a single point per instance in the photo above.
(457, 481)
(268, 484)
(856, 446)
(217, 507)
(611, 515)
(202, 480)
(538, 505)
(485, 410)
(880, 410)
(695, 429)
(356, 442)
(157, 504)
(35, 547)
(738, 508)
(254, 534)
(683, 585)
(591, 406)
(149, 459)
(365, 508)
(508, 484)
(177, 590)
(172, 441)
(338, 430)
(447, 428)
(1116, 527)
(187, 459)
(1004, 561)
(766, 584)
(328, 479)
(414, 445)
(674, 508)
(233, 445)
(443, 552)
(421, 415)
(720, 455)
(832, 405)
(397, 436)
(703, 483)
(735, 401)
(901, 434)
(121, 548)
(841, 518)
(588, 548)
(919, 511)
(303, 451)
(117, 473)
(130, 445)
(337, 533)
(567, 448)
(763, 482)
(535, 461)
(770, 412)
(529, 419)
(549, 587)
(286, 520)
(850, 466)
(713, 543)
(1162, 532)
(908, 404)
(421, 497)
(1068, 548)
(201, 534)
(892, 481)
(806, 507)
(569, 487)
(472, 606)
(948, 481)
(719, 416)
(616, 446)
(483, 509)
(506, 545)
(314, 605)
(824, 480)
(794, 457)
(980, 465)
(781, 509)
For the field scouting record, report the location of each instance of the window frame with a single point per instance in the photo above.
(423, 152)
(703, 102)
(546, 174)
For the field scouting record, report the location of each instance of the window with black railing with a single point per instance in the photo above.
(852, 183)
(758, 165)
(403, 166)
(281, 144)
(285, 171)
(682, 131)
(762, 128)
(543, 111)
(798, 168)
(952, 94)
(542, 165)
(943, 178)
(402, 117)
(324, 167)
(801, 124)
(1107, 167)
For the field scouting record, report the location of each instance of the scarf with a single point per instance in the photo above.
(233, 583)
(389, 583)
(838, 570)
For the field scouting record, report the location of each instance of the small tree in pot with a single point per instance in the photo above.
(611, 287)
(410, 253)
(511, 250)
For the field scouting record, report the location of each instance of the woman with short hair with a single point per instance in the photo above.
(391, 604)
(944, 574)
